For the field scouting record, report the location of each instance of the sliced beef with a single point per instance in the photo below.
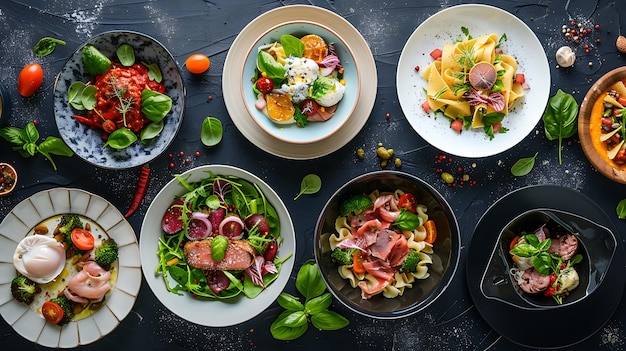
(533, 282)
(565, 246)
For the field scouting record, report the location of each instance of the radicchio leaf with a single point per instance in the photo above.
(221, 188)
(269, 267)
(495, 100)
(255, 272)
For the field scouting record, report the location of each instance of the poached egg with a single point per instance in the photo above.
(40, 258)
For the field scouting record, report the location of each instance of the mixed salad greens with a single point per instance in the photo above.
(233, 197)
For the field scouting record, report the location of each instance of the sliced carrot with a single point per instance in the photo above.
(431, 231)
(357, 262)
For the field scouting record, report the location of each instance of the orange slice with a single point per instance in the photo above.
(280, 109)
(315, 48)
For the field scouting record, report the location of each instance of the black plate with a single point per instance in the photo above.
(549, 328)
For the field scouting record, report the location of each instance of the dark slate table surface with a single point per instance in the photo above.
(209, 27)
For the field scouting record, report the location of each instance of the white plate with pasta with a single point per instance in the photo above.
(511, 39)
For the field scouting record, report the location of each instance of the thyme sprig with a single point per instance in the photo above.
(126, 104)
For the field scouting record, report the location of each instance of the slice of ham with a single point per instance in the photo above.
(565, 246)
(239, 255)
(399, 252)
(369, 290)
(92, 282)
(379, 269)
(325, 115)
(385, 242)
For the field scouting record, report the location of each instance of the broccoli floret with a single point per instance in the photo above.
(355, 204)
(106, 254)
(66, 305)
(67, 224)
(342, 256)
(411, 261)
(24, 289)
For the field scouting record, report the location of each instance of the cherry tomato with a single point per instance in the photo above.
(514, 242)
(408, 202)
(52, 312)
(82, 239)
(309, 107)
(30, 79)
(265, 85)
(431, 231)
(197, 63)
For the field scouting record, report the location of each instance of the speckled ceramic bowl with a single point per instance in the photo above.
(87, 142)
(445, 256)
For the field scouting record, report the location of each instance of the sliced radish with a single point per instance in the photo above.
(172, 222)
(232, 227)
(199, 226)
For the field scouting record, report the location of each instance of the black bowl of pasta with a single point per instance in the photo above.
(387, 244)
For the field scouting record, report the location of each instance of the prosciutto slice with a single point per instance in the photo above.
(92, 282)
(321, 116)
(399, 252)
(369, 290)
(385, 242)
(379, 269)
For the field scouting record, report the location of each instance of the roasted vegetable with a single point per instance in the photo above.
(411, 261)
(106, 254)
(66, 305)
(24, 289)
(67, 224)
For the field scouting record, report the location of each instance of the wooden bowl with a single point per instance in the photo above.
(8, 178)
(592, 152)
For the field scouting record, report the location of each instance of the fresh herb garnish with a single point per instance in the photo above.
(559, 119)
(311, 183)
(523, 166)
(24, 141)
(45, 46)
(211, 133)
(126, 55)
(621, 209)
(294, 321)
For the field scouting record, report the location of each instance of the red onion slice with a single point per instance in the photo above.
(199, 226)
(227, 232)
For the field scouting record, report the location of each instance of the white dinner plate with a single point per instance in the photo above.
(212, 313)
(21, 221)
(233, 86)
(445, 27)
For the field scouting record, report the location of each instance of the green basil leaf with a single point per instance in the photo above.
(74, 91)
(268, 64)
(318, 304)
(126, 55)
(211, 133)
(149, 133)
(292, 45)
(121, 138)
(560, 118)
(13, 135)
(281, 331)
(31, 133)
(523, 166)
(154, 73)
(88, 97)
(154, 105)
(309, 281)
(250, 289)
(219, 244)
(45, 46)
(294, 319)
(310, 184)
(523, 250)
(329, 320)
(29, 149)
(407, 220)
(94, 61)
(621, 209)
(542, 262)
(289, 302)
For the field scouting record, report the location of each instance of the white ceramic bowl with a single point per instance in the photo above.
(314, 131)
(213, 313)
(21, 221)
